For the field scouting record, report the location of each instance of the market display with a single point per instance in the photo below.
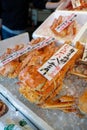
(62, 30)
(50, 72)
(74, 5)
(12, 68)
(45, 92)
(62, 25)
(78, 5)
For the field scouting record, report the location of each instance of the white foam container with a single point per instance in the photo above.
(11, 42)
(44, 29)
(82, 35)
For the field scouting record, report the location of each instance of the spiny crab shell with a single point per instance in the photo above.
(37, 89)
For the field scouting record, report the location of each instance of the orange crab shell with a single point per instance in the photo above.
(40, 91)
(69, 30)
(12, 68)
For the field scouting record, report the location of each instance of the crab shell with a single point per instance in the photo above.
(37, 89)
(12, 68)
(69, 30)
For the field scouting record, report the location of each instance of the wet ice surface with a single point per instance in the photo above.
(55, 118)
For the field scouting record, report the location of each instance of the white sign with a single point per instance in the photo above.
(29, 48)
(76, 3)
(66, 23)
(57, 61)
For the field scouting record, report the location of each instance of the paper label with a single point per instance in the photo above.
(84, 58)
(57, 61)
(76, 3)
(66, 23)
(25, 50)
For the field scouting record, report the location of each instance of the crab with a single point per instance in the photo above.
(34, 86)
(83, 6)
(37, 89)
(71, 29)
(11, 69)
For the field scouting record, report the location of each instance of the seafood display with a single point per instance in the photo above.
(35, 83)
(62, 25)
(45, 93)
(79, 5)
(70, 29)
(37, 88)
(34, 86)
(45, 79)
(12, 68)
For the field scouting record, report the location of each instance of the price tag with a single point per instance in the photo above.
(84, 58)
(14, 55)
(76, 3)
(66, 23)
(57, 61)
(25, 50)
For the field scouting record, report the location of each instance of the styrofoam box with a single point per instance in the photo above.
(11, 42)
(82, 35)
(44, 29)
